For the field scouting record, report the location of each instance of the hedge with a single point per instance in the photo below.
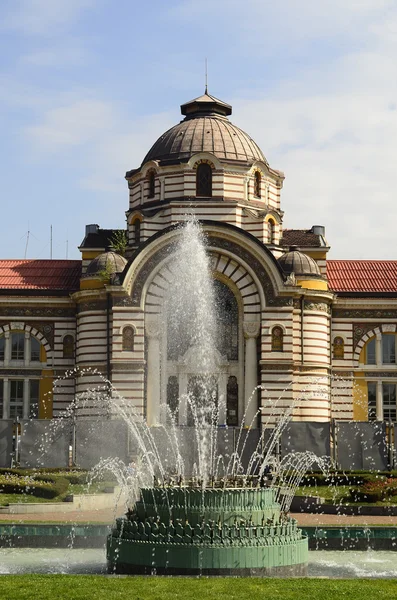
(41, 486)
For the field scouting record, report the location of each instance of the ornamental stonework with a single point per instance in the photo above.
(341, 313)
(20, 311)
(317, 306)
(45, 328)
(382, 374)
(360, 329)
(219, 243)
(94, 305)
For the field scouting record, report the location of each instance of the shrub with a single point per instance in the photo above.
(41, 486)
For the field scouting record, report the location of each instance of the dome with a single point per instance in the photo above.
(106, 263)
(205, 128)
(299, 264)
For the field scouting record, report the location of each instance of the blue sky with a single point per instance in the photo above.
(87, 86)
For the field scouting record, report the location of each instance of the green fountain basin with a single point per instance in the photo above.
(209, 532)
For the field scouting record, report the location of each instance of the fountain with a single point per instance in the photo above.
(218, 513)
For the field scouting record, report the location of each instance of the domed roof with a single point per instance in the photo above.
(106, 263)
(299, 264)
(205, 128)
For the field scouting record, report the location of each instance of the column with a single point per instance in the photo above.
(251, 332)
(182, 399)
(162, 186)
(26, 398)
(222, 398)
(7, 349)
(379, 401)
(378, 349)
(6, 398)
(27, 349)
(153, 372)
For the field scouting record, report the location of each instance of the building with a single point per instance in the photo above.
(296, 322)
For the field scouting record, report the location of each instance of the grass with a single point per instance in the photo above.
(76, 587)
(338, 495)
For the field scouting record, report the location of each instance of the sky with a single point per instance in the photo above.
(87, 86)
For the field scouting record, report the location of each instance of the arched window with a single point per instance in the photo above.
(257, 184)
(277, 339)
(137, 231)
(270, 231)
(232, 402)
(34, 350)
(2, 347)
(128, 339)
(152, 181)
(173, 398)
(339, 348)
(181, 334)
(68, 346)
(204, 180)
(17, 346)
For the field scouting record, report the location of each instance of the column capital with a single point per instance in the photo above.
(152, 327)
(251, 329)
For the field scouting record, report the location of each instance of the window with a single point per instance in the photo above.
(2, 347)
(1, 399)
(16, 398)
(277, 339)
(181, 334)
(128, 339)
(381, 351)
(257, 184)
(152, 181)
(270, 231)
(68, 346)
(137, 231)
(370, 352)
(34, 350)
(34, 398)
(339, 348)
(172, 399)
(232, 402)
(18, 346)
(372, 401)
(388, 401)
(388, 349)
(204, 180)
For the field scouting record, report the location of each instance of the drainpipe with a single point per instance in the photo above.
(108, 306)
(302, 305)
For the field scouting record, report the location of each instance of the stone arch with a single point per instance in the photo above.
(363, 340)
(21, 326)
(226, 269)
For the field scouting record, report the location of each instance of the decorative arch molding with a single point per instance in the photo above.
(224, 240)
(370, 333)
(225, 268)
(32, 331)
(273, 215)
(149, 166)
(270, 331)
(204, 157)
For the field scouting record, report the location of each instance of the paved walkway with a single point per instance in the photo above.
(107, 516)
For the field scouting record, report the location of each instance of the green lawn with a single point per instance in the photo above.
(76, 587)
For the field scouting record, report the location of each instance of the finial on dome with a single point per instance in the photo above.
(206, 76)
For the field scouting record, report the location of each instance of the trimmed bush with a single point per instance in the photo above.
(41, 486)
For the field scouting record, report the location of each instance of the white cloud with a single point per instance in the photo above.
(43, 17)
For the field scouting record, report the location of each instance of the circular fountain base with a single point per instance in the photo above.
(185, 531)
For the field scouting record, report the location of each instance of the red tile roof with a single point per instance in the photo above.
(51, 275)
(362, 275)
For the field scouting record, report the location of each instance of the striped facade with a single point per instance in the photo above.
(304, 340)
